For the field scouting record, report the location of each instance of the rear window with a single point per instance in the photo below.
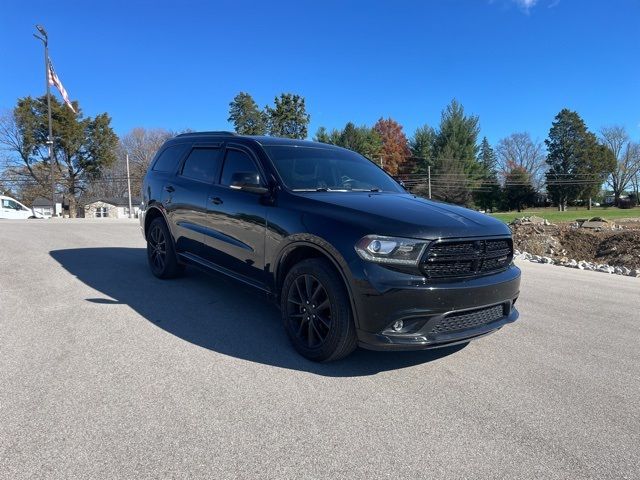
(169, 158)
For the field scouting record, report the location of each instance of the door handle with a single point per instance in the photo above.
(169, 188)
(216, 200)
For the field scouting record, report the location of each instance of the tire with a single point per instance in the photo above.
(316, 311)
(161, 253)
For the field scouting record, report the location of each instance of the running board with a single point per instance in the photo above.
(201, 262)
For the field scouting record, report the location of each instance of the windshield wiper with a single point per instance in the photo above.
(325, 189)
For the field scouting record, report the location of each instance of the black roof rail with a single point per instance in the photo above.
(219, 132)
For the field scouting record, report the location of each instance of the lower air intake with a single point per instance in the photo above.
(470, 319)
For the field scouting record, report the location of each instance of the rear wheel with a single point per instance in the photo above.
(316, 311)
(161, 252)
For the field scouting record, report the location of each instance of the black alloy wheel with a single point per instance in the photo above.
(161, 252)
(309, 308)
(316, 311)
(157, 248)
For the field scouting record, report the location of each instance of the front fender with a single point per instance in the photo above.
(294, 241)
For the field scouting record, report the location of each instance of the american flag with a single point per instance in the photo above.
(55, 81)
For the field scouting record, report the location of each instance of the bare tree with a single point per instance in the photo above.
(635, 184)
(627, 155)
(18, 154)
(518, 150)
(141, 145)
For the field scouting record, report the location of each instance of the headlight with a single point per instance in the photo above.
(391, 250)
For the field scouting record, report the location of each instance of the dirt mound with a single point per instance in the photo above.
(613, 247)
(621, 249)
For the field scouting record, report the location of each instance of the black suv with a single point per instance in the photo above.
(349, 255)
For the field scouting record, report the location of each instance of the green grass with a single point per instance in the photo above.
(553, 215)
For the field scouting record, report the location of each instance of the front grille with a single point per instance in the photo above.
(464, 258)
(465, 320)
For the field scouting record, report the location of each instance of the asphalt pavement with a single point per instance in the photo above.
(108, 372)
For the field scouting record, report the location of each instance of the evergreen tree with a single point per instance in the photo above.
(363, 139)
(83, 147)
(456, 170)
(288, 117)
(595, 170)
(246, 116)
(323, 135)
(421, 146)
(488, 194)
(578, 165)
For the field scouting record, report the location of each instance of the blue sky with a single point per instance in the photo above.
(515, 63)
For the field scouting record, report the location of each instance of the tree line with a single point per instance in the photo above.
(571, 165)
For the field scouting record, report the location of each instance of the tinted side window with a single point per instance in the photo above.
(169, 158)
(202, 164)
(234, 162)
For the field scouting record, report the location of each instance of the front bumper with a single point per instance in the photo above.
(423, 339)
(434, 314)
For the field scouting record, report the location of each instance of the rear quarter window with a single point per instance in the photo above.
(168, 159)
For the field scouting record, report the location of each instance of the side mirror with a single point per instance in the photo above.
(248, 182)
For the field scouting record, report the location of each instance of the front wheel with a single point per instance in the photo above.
(161, 252)
(316, 311)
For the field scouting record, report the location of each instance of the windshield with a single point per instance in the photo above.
(329, 169)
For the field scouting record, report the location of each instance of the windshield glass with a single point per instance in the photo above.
(328, 169)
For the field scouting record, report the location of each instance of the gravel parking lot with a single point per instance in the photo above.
(107, 372)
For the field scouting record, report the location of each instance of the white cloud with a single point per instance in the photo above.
(526, 5)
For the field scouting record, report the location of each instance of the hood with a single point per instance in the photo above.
(35, 213)
(404, 215)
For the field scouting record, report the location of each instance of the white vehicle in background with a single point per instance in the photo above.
(11, 208)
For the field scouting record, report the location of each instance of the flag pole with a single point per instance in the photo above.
(45, 41)
(129, 186)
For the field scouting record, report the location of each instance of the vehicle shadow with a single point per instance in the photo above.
(215, 313)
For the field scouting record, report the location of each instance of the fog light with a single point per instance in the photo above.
(397, 325)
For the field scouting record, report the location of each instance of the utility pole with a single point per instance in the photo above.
(129, 185)
(45, 41)
(429, 175)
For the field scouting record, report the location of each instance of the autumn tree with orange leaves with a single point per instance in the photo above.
(395, 146)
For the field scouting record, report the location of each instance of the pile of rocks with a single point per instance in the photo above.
(597, 224)
(530, 220)
(581, 265)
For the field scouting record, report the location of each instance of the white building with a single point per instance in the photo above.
(112, 208)
(43, 206)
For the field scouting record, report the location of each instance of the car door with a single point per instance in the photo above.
(24, 211)
(236, 219)
(4, 208)
(10, 209)
(185, 196)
